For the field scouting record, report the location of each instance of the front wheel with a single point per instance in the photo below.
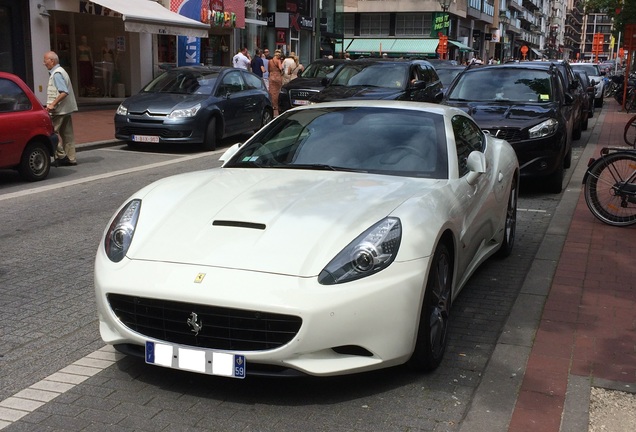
(209, 141)
(510, 227)
(610, 191)
(435, 314)
(35, 163)
(629, 135)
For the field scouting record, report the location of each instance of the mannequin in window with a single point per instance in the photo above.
(108, 62)
(85, 65)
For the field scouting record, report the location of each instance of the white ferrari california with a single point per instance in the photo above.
(333, 241)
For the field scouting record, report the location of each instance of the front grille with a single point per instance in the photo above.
(302, 94)
(223, 328)
(162, 132)
(509, 134)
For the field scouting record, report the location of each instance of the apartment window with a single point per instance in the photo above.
(349, 24)
(374, 24)
(415, 24)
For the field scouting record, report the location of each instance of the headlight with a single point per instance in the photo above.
(185, 112)
(544, 129)
(120, 233)
(122, 110)
(371, 252)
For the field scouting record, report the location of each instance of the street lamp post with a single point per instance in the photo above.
(444, 4)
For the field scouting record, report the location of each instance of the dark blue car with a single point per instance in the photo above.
(197, 104)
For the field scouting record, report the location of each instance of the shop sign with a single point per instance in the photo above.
(189, 51)
(281, 36)
(278, 20)
(441, 23)
(298, 22)
(96, 9)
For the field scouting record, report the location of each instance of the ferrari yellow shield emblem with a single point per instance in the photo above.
(199, 278)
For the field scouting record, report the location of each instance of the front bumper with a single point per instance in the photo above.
(162, 130)
(362, 325)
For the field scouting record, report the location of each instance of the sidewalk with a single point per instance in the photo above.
(574, 324)
(587, 333)
(94, 126)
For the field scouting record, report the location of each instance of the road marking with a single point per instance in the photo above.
(47, 188)
(28, 400)
(532, 210)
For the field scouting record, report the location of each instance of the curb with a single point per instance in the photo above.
(494, 401)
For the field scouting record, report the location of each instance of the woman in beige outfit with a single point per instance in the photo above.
(275, 69)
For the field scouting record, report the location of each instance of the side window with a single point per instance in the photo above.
(253, 82)
(231, 83)
(12, 98)
(468, 138)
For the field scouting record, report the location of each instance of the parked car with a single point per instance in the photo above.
(27, 139)
(587, 85)
(595, 74)
(194, 104)
(309, 82)
(447, 74)
(411, 80)
(333, 241)
(571, 86)
(525, 104)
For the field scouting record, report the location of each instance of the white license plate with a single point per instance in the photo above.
(145, 138)
(300, 102)
(196, 360)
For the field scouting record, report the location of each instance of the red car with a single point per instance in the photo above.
(27, 140)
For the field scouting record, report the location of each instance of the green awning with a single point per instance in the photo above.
(390, 46)
(461, 46)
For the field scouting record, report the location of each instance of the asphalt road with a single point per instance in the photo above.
(49, 233)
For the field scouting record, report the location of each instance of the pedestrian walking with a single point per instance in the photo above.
(60, 103)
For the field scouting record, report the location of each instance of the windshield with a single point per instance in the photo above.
(503, 84)
(446, 75)
(183, 82)
(319, 70)
(390, 75)
(362, 139)
(591, 69)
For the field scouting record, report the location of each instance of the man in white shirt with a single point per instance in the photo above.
(242, 60)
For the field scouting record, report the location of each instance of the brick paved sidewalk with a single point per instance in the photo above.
(588, 326)
(94, 126)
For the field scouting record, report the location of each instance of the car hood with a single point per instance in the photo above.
(304, 83)
(332, 93)
(161, 103)
(504, 114)
(279, 221)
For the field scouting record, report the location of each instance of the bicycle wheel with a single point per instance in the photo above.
(609, 189)
(630, 103)
(630, 132)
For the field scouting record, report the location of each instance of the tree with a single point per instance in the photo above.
(622, 11)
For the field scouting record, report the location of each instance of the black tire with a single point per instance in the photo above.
(35, 163)
(602, 189)
(267, 116)
(598, 103)
(629, 135)
(209, 141)
(432, 334)
(510, 227)
(567, 161)
(576, 133)
(554, 182)
(585, 123)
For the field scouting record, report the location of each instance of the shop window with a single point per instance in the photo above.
(375, 24)
(166, 49)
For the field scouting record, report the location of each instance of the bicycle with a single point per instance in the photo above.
(629, 134)
(610, 186)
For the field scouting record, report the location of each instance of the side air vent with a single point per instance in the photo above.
(239, 224)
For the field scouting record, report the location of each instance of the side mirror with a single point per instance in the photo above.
(229, 153)
(569, 99)
(476, 164)
(325, 82)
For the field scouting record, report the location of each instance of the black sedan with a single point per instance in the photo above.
(195, 104)
(527, 105)
(378, 79)
(309, 83)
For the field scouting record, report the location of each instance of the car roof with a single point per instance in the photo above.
(410, 105)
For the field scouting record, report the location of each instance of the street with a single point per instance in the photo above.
(49, 232)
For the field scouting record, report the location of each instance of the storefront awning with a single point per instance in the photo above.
(397, 46)
(147, 16)
(390, 46)
(537, 52)
(461, 46)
